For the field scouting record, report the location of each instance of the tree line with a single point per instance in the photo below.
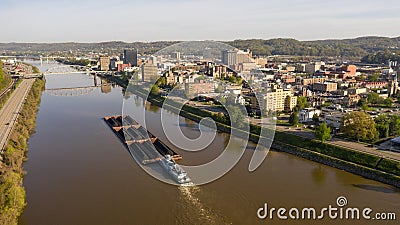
(357, 47)
(12, 192)
(381, 57)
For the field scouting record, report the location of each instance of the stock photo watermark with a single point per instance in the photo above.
(339, 211)
(197, 69)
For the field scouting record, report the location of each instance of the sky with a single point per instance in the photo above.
(186, 20)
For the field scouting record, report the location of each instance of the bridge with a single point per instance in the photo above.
(78, 91)
(36, 57)
(73, 91)
(58, 70)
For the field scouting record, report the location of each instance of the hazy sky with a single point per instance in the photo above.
(151, 20)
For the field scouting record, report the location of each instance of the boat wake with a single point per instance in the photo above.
(195, 212)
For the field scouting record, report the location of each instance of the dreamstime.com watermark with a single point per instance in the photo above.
(340, 211)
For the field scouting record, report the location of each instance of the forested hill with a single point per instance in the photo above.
(357, 47)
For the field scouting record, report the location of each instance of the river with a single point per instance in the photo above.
(79, 172)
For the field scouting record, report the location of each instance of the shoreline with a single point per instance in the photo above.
(14, 156)
(370, 168)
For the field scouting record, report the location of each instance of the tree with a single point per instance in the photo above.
(394, 125)
(359, 126)
(301, 102)
(374, 77)
(222, 100)
(1, 72)
(363, 104)
(323, 132)
(382, 125)
(236, 116)
(219, 89)
(315, 119)
(388, 102)
(374, 98)
(161, 82)
(235, 80)
(232, 79)
(155, 90)
(294, 118)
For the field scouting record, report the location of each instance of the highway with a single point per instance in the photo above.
(10, 111)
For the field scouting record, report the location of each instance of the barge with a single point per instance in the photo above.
(142, 144)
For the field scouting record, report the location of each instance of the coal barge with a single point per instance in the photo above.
(142, 144)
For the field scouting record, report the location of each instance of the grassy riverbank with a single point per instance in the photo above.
(12, 193)
(370, 166)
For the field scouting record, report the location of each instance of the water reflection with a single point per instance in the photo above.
(377, 188)
(319, 174)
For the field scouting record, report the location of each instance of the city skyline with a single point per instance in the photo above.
(98, 21)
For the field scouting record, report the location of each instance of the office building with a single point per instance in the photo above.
(234, 58)
(149, 72)
(176, 55)
(229, 58)
(104, 63)
(277, 99)
(130, 57)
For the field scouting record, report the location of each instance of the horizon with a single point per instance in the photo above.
(244, 39)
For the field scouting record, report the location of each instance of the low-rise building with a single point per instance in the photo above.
(356, 91)
(325, 87)
(334, 120)
(372, 85)
(122, 67)
(307, 114)
(240, 100)
(192, 89)
(313, 79)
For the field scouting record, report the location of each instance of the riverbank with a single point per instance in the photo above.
(366, 165)
(6, 86)
(12, 192)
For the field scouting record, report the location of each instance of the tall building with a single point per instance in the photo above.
(130, 57)
(229, 58)
(244, 56)
(314, 67)
(104, 63)
(277, 99)
(153, 60)
(393, 86)
(176, 55)
(232, 58)
(149, 72)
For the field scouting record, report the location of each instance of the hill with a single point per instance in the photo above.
(347, 48)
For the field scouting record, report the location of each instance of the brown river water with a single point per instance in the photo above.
(79, 172)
